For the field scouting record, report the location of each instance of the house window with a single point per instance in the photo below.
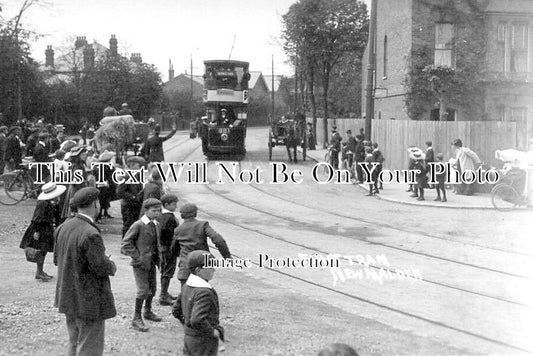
(444, 45)
(385, 55)
(501, 31)
(519, 114)
(502, 113)
(519, 48)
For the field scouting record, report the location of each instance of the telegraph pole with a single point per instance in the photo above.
(272, 110)
(192, 96)
(371, 68)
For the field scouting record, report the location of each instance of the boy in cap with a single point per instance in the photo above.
(197, 308)
(168, 223)
(441, 186)
(154, 187)
(192, 235)
(141, 244)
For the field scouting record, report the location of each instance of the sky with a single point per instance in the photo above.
(165, 29)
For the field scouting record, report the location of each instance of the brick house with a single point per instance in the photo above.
(80, 58)
(493, 38)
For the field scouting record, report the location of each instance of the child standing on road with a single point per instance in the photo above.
(440, 181)
(39, 236)
(168, 224)
(197, 308)
(140, 243)
(378, 157)
(369, 159)
(421, 177)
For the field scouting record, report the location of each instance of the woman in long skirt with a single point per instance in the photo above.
(40, 234)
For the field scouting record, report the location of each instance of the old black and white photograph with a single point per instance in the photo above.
(271, 178)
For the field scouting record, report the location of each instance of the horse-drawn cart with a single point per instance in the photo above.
(288, 133)
(122, 133)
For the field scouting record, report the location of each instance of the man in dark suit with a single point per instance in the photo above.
(336, 139)
(13, 154)
(430, 154)
(350, 146)
(153, 149)
(131, 196)
(83, 291)
(359, 157)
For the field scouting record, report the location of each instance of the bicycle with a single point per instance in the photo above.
(505, 197)
(19, 185)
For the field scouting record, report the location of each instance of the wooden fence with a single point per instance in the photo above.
(394, 136)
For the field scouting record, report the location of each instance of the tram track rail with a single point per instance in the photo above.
(354, 296)
(382, 224)
(295, 221)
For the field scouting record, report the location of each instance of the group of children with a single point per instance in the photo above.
(157, 239)
(356, 150)
(418, 160)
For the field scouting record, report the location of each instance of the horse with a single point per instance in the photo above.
(293, 138)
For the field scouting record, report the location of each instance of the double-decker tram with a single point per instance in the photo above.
(226, 99)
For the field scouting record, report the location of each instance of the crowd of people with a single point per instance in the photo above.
(465, 159)
(65, 223)
(354, 150)
(155, 239)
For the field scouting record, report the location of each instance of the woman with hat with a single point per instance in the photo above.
(40, 234)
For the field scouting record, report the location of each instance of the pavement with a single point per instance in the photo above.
(396, 192)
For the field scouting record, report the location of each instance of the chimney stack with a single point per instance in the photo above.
(170, 70)
(136, 58)
(49, 53)
(81, 41)
(113, 47)
(88, 57)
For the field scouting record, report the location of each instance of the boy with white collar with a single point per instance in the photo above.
(197, 308)
(141, 244)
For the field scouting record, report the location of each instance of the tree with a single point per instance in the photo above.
(20, 82)
(319, 33)
(111, 81)
(345, 97)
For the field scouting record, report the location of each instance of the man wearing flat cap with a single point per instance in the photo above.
(335, 142)
(192, 235)
(141, 244)
(131, 196)
(83, 291)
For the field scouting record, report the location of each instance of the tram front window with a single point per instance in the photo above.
(226, 77)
